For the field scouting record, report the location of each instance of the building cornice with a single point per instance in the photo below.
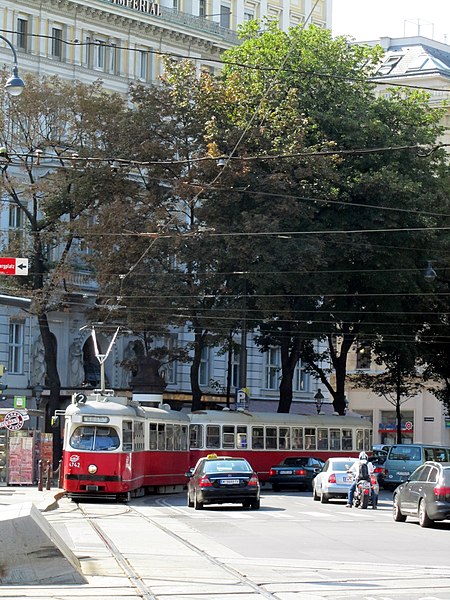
(170, 25)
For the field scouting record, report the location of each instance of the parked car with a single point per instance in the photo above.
(425, 495)
(295, 471)
(403, 459)
(333, 481)
(223, 479)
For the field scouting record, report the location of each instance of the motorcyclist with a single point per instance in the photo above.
(355, 470)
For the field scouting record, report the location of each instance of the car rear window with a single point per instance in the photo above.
(295, 462)
(404, 453)
(224, 466)
(341, 466)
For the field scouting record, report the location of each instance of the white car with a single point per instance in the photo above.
(333, 481)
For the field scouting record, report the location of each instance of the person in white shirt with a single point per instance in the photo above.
(359, 472)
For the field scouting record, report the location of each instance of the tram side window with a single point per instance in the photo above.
(153, 437)
(359, 439)
(367, 439)
(310, 438)
(228, 437)
(258, 438)
(161, 436)
(177, 437)
(169, 437)
(284, 438)
(297, 438)
(127, 436)
(184, 437)
(347, 439)
(322, 439)
(138, 436)
(335, 439)
(241, 436)
(213, 436)
(196, 436)
(271, 438)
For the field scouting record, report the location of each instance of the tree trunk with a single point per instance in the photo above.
(199, 342)
(289, 360)
(54, 384)
(340, 368)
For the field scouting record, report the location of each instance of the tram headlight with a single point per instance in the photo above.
(92, 469)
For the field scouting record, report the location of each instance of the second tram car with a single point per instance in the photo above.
(115, 447)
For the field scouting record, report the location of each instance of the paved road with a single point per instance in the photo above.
(156, 548)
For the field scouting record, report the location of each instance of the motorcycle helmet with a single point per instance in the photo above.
(363, 456)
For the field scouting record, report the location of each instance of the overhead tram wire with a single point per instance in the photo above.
(376, 80)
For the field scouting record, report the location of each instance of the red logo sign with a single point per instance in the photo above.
(13, 266)
(13, 420)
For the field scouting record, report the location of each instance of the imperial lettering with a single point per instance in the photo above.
(144, 6)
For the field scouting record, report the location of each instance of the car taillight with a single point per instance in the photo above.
(272, 472)
(204, 482)
(300, 472)
(253, 480)
(440, 491)
(332, 478)
(378, 470)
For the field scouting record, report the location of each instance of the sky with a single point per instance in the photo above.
(367, 20)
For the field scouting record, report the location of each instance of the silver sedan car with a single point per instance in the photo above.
(333, 481)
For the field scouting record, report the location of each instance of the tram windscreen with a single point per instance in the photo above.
(94, 437)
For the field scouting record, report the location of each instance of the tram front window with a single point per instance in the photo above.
(94, 438)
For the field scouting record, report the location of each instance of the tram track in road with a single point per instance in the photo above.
(137, 580)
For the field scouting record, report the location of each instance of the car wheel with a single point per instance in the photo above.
(197, 505)
(323, 498)
(315, 495)
(190, 502)
(276, 487)
(396, 512)
(424, 519)
(256, 504)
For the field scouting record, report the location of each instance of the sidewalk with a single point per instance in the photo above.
(106, 581)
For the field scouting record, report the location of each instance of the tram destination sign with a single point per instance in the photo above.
(13, 266)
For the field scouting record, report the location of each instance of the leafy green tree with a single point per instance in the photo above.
(47, 133)
(398, 382)
(359, 206)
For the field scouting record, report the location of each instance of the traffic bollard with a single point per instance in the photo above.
(48, 476)
(40, 475)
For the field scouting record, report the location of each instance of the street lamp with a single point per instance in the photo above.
(318, 399)
(14, 86)
(430, 274)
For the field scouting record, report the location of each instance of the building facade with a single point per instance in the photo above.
(120, 41)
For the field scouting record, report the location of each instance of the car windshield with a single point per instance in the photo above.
(295, 462)
(404, 453)
(227, 466)
(341, 466)
(93, 437)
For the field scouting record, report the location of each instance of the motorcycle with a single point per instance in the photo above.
(364, 492)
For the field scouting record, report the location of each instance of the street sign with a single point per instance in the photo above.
(13, 266)
(14, 420)
(20, 401)
(242, 397)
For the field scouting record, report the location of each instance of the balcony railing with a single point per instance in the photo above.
(193, 22)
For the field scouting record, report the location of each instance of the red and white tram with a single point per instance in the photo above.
(115, 447)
